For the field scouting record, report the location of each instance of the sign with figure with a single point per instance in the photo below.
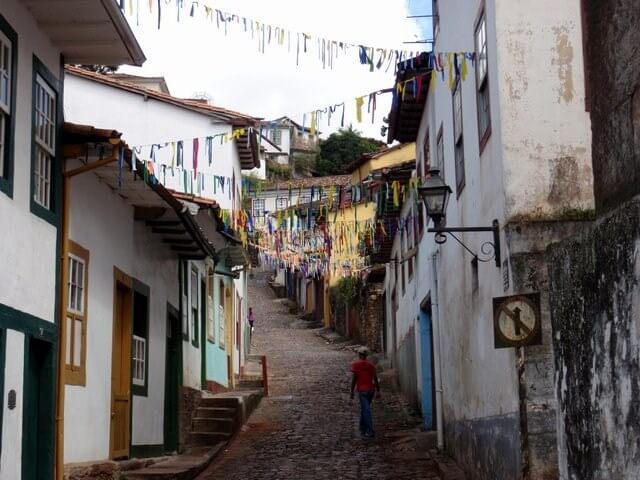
(516, 321)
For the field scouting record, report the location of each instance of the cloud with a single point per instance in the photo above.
(194, 55)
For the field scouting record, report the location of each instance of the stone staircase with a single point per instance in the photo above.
(216, 419)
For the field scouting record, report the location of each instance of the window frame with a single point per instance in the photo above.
(194, 309)
(253, 207)
(440, 152)
(482, 84)
(76, 375)
(7, 164)
(52, 213)
(458, 138)
(278, 201)
(211, 318)
(141, 289)
(222, 319)
(184, 299)
(276, 136)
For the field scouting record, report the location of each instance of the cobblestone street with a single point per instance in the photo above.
(307, 427)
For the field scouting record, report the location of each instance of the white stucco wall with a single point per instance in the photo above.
(11, 454)
(145, 122)
(535, 163)
(545, 128)
(28, 243)
(26, 272)
(103, 223)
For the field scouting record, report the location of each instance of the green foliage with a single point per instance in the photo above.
(277, 171)
(341, 149)
(348, 290)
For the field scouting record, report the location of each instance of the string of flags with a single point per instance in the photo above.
(268, 35)
(182, 165)
(340, 243)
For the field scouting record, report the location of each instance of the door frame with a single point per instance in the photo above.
(38, 445)
(121, 280)
(174, 322)
(204, 337)
(427, 360)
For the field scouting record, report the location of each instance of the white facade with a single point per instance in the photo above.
(29, 234)
(146, 121)
(103, 223)
(534, 165)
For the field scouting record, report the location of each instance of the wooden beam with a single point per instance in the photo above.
(163, 223)
(169, 231)
(185, 249)
(178, 241)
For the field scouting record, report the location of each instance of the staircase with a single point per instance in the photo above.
(215, 420)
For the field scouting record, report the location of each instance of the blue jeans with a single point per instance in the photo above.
(366, 420)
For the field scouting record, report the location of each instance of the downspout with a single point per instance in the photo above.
(435, 314)
(62, 326)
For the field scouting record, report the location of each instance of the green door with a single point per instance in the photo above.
(203, 335)
(2, 394)
(38, 419)
(172, 379)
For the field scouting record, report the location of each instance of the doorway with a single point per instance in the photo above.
(121, 368)
(173, 361)
(426, 363)
(204, 334)
(38, 427)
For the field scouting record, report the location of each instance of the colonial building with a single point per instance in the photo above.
(198, 151)
(289, 144)
(503, 120)
(35, 41)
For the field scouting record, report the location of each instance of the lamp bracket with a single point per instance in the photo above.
(489, 250)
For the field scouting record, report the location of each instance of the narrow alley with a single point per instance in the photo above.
(307, 427)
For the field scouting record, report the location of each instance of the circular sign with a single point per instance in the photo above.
(516, 320)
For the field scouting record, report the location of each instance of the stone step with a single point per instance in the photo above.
(201, 439)
(201, 424)
(220, 402)
(215, 412)
(249, 384)
(182, 467)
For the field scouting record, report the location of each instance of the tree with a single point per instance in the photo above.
(103, 69)
(341, 149)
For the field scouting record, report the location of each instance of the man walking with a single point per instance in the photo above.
(250, 319)
(365, 381)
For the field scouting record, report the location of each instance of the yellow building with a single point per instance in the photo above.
(348, 225)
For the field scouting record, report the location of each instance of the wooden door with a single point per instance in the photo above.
(121, 369)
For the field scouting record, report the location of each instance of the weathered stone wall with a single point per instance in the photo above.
(371, 317)
(486, 448)
(407, 378)
(595, 310)
(189, 399)
(538, 402)
(614, 75)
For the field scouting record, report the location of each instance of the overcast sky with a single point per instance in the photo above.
(195, 56)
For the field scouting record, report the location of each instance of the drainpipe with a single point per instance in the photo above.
(435, 314)
(62, 327)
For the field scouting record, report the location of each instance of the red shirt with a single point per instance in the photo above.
(364, 372)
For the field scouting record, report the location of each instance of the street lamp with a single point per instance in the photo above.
(435, 195)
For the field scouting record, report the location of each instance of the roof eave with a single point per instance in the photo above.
(126, 34)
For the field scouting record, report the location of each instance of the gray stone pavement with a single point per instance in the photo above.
(308, 427)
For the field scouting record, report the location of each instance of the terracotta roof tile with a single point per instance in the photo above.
(235, 118)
